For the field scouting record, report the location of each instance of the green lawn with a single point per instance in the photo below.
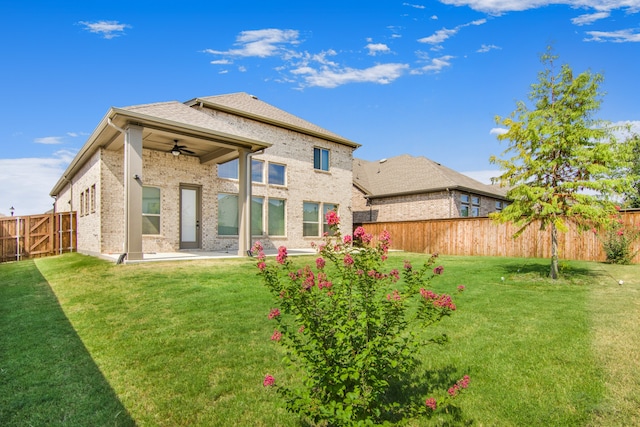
(87, 343)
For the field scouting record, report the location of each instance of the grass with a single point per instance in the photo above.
(85, 342)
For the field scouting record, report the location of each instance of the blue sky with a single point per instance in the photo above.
(424, 78)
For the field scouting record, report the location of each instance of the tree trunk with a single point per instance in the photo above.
(554, 252)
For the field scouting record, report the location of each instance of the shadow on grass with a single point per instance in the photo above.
(47, 376)
(567, 270)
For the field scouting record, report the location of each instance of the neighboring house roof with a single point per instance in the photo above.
(406, 174)
(245, 105)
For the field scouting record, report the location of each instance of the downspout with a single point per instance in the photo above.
(450, 194)
(124, 196)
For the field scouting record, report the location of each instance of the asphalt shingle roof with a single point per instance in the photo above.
(406, 174)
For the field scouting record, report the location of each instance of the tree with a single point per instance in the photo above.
(633, 197)
(562, 165)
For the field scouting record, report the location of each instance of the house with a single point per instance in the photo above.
(213, 173)
(406, 188)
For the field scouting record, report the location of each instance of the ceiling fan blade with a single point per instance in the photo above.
(187, 151)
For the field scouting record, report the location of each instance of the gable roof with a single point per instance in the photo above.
(249, 106)
(406, 174)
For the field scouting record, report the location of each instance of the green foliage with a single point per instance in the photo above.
(355, 331)
(562, 165)
(632, 197)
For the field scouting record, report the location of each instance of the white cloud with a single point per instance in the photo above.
(498, 131)
(25, 183)
(628, 128)
(434, 17)
(620, 36)
(498, 7)
(221, 62)
(107, 29)
(49, 140)
(328, 78)
(376, 48)
(436, 65)
(487, 47)
(416, 6)
(590, 18)
(261, 43)
(445, 33)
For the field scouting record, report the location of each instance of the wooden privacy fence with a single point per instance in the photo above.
(482, 236)
(37, 236)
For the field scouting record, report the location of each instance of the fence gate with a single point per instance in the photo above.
(37, 236)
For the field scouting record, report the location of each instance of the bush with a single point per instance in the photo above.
(618, 241)
(354, 330)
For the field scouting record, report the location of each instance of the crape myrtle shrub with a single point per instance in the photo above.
(355, 330)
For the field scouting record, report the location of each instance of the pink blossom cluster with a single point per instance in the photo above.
(259, 249)
(385, 243)
(268, 381)
(274, 313)
(462, 383)
(438, 270)
(360, 233)
(431, 403)
(461, 288)
(323, 283)
(332, 218)
(443, 300)
(395, 296)
(320, 263)
(347, 239)
(348, 260)
(277, 335)
(282, 255)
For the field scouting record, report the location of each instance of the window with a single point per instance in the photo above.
(93, 198)
(150, 210)
(277, 174)
(326, 208)
(257, 174)
(227, 215)
(310, 219)
(256, 216)
(276, 216)
(464, 205)
(475, 208)
(228, 170)
(499, 205)
(321, 159)
(82, 204)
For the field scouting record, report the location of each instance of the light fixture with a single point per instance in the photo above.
(12, 210)
(175, 151)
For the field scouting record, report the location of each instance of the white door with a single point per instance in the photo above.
(189, 217)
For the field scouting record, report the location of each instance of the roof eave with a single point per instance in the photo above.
(121, 117)
(439, 189)
(273, 122)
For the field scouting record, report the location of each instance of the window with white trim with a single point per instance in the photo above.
(276, 214)
(320, 159)
(277, 174)
(150, 210)
(311, 219)
(227, 214)
(257, 222)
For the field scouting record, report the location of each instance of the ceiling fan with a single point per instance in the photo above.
(179, 149)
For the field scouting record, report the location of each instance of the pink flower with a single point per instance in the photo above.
(268, 381)
(461, 288)
(262, 265)
(257, 246)
(438, 270)
(395, 296)
(332, 218)
(320, 263)
(274, 313)
(431, 403)
(282, 255)
(395, 274)
(348, 260)
(347, 239)
(464, 382)
(620, 232)
(277, 335)
(407, 264)
(453, 390)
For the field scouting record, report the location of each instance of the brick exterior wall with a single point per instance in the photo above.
(437, 205)
(102, 231)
